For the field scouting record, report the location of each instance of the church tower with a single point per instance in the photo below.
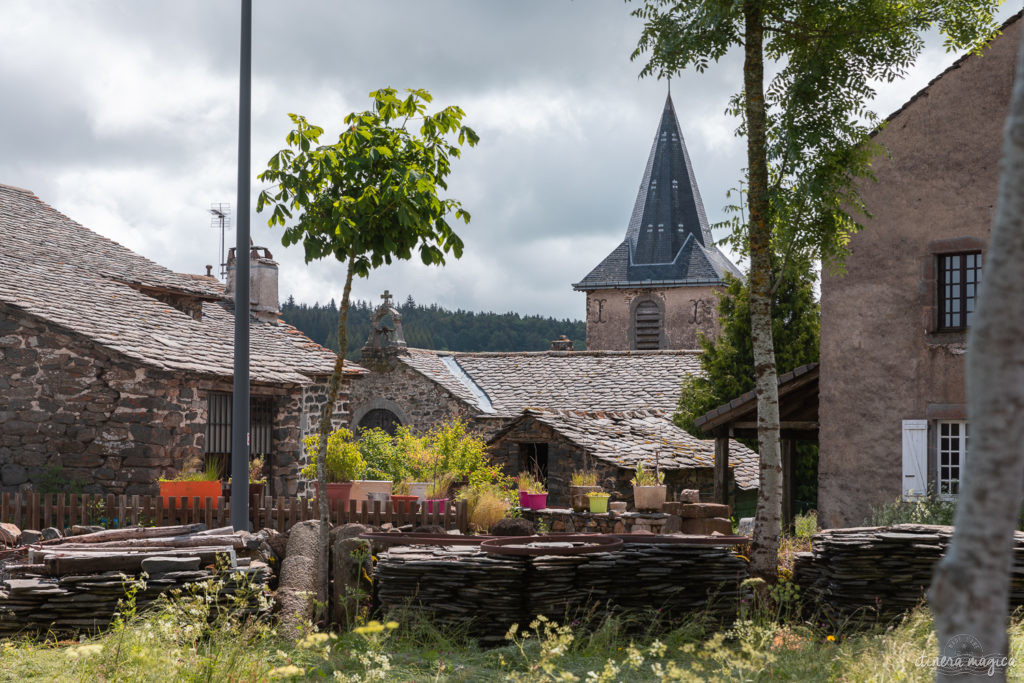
(656, 289)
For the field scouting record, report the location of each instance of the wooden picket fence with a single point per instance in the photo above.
(40, 510)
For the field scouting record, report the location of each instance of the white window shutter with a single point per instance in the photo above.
(915, 459)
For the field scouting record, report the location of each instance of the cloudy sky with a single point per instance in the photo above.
(123, 115)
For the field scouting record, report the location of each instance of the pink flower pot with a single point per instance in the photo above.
(537, 501)
(440, 502)
(524, 500)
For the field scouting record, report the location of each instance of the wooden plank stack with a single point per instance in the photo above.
(462, 586)
(878, 573)
(76, 583)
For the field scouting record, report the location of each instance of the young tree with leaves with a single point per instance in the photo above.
(808, 142)
(369, 198)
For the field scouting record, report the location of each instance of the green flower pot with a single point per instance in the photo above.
(598, 503)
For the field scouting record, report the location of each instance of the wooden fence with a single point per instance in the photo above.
(41, 510)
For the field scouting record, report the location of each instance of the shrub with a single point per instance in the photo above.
(644, 477)
(486, 505)
(927, 510)
(343, 460)
(584, 478)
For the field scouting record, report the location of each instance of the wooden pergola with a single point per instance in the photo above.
(798, 415)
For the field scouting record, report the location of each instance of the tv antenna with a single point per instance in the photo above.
(220, 217)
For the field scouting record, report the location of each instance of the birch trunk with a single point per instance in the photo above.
(324, 430)
(970, 589)
(764, 555)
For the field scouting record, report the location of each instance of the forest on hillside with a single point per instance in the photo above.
(434, 327)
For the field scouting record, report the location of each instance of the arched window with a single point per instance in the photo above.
(647, 324)
(380, 418)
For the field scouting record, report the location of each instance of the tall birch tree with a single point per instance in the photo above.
(970, 592)
(808, 142)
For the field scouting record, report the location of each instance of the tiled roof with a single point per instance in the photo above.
(668, 240)
(68, 275)
(577, 380)
(625, 437)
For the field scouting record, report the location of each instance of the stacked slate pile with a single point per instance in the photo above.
(878, 573)
(462, 586)
(76, 583)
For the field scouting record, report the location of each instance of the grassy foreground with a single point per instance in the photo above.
(188, 638)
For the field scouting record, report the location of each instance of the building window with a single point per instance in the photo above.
(647, 324)
(218, 427)
(952, 454)
(380, 418)
(959, 278)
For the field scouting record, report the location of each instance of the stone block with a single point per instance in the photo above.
(51, 533)
(689, 496)
(31, 536)
(704, 526)
(12, 475)
(10, 534)
(703, 510)
(162, 565)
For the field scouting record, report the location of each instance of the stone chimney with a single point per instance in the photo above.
(263, 295)
(563, 343)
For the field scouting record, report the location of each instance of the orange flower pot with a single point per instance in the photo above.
(189, 490)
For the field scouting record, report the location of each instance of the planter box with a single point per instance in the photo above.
(336, 493)
(578, 497)
(362, 488)
(403, 503)
(649, 498)
(190, 489)
(440, 504)
(524, 500)
(537, 501)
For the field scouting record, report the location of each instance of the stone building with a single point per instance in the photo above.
(555, 443)
(894, 327)
(655, 290)
(115, 371)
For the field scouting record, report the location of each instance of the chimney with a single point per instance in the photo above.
(563, 343)
(263, 301)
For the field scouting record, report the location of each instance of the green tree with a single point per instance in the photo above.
(808, 143)
(369, 198)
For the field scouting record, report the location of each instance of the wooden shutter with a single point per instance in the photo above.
(647, 325)
(915, 459)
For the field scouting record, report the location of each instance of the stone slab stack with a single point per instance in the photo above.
(462, 586)
(878, 573)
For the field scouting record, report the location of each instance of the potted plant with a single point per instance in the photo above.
(189, 485)
(343, 463)
(437, 494)
(581, 483)
(538, 498)
(598, 501)
(402, 496)
(648, 490)
(257, 479)
(527, 484)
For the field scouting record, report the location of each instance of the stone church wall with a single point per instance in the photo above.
(686, 312)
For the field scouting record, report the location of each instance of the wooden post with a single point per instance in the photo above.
(787, 484)
(722, 469)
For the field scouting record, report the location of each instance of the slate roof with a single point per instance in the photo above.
(668, 241)
(577, 380)
(623, 438)
(60, 271)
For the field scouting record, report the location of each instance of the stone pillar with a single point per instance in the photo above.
(722, 470)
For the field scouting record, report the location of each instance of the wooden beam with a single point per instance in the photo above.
(722, 470)
(794, 425)
(787, 484)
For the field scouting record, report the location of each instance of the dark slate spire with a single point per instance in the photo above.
(668, 240)
(668, 206)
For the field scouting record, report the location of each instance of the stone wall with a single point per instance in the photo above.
(565, 457)
(882, 359)
(74, 416)
(416, 401)
(686, 312)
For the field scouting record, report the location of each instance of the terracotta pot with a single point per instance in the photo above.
(598, 504)
(337, 492)
(537, 501)
(578, 497)
(190, 489)
(403, 503)
(524, 500)
(649, 498)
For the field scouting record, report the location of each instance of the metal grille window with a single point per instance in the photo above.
(959, 278)
(952, 452)
(647, 324)
(218, 425)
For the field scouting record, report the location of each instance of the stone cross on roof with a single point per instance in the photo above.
(387, 297)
